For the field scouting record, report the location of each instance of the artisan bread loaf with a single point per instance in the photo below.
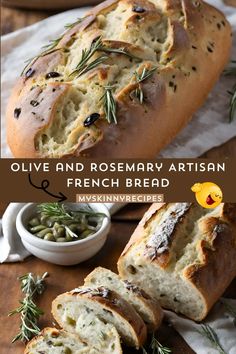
(145, 306)
(183, 255)
(104, 304)
(53, 341)
(130, 71)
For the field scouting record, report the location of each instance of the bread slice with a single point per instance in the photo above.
(148, 309)
(183, 255)
(105, 305)
(53, 341)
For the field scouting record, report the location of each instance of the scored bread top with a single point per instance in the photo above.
(199, 248)
(181, 39)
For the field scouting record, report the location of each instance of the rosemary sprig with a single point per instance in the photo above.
(30, 285)
(60, 212)
(209, 333)
(97, 45)
(73, 24)
(119, 51)
(86, 55)
(109, 104)
(156, 347)
(145, 74)
(90, 65)
(231, 70)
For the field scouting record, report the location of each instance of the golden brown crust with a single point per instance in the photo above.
(111, 301)
(193, 59)
(216, 265)
(218, 258)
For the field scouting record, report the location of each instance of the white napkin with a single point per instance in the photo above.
(208, 128)
(219, 319)
(11, 247)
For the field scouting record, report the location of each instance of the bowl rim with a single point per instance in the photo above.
(28, 236)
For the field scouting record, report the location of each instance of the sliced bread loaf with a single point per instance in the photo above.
(183, 255)
(53, 341)
(105, 305)
(147, 308)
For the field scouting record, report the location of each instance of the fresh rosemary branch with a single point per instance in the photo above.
(51, 45)
(29, 311)
(109, 104)
(60, 212)
(156, 347)
(145, 74)
(208, 332)
(118, 51)
(86, 55)
(231, 70)
(97, 45)
(73, 24)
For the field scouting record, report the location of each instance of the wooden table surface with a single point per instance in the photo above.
(62, 279)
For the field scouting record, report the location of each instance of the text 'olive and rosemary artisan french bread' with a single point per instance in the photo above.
(145, 306)
(120, 83)
(183, 255)
(104, 304)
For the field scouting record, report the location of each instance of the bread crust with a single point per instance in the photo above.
(51, 332)
(192, 62)
(216, 253)
(111, 302)
(149, 303)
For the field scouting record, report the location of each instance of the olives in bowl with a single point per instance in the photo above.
(94, 218)
(60, 223)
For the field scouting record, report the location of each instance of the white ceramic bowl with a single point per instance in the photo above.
(62, 253)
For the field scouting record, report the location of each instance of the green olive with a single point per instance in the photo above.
(85, 234)
(43, 219)
(42, 233)
(73, 227)
(61, 239)
(67, 350)
(34, 222)
(60, 232)
(69, 238)
(37, 228)
(49, 237)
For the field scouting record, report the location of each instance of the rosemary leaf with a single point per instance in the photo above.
(59, 211)
(90, 66)
(209, 333)
(73, 24)
(119, 51)
(86, 55)
(52, 44)
(30, 286)
(155, 347)
(109, 104)
(145, 74)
